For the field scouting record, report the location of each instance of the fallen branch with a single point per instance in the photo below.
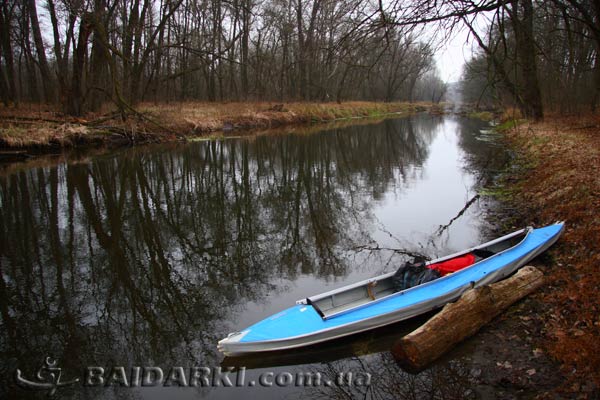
(442, 228)
(29, 120)
(405, 252)
(102, 119)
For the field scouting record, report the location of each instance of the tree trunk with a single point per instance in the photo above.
(61, 63)
(596, 96)
(76, 95)
(4, 89)
(128, 35)
(301, 52)
(98, 59)
(309, 49)
(461, 319)
(245, 47)
(596, 34)
(526, 54)
(139, 57)
(47, 79)
(31, 75)
(7, 52)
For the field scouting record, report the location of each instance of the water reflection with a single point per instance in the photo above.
(452, 381)
(149, 256)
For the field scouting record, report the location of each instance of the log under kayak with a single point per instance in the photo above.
(375, 302)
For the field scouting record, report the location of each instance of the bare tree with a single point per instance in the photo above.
(127, 51)
(47, 76)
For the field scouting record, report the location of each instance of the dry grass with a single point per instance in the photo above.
(63, 135)
(510, 114)
(198, 118)
(41, 126)
(563, 183)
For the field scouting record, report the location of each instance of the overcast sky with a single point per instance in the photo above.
(452, 55)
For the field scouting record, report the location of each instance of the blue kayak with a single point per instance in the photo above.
(375, 302)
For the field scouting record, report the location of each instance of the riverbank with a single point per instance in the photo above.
(37, 127)
(554, 177)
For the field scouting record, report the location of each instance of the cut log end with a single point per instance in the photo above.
(459, 320)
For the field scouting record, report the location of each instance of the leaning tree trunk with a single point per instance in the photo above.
(75, 100)
(47, 79)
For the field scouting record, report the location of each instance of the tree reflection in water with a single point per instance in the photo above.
(450, 381)
(147, 256)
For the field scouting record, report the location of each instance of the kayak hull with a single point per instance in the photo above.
(305, 324)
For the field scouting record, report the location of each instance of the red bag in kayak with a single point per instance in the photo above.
(454, 264)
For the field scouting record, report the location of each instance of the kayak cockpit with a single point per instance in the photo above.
(362, 293)
(354, 297)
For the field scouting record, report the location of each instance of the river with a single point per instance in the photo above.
(144, 258)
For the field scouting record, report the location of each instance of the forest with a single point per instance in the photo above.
(124, 52)
(81, 54)
(105, 233)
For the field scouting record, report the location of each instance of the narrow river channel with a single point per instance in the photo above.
(144, 258)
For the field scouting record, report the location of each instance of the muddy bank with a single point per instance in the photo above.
(548, 346)
(42, 129)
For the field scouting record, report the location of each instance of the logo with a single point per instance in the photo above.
(47, 378)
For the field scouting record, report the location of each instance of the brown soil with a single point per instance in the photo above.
(548, 346)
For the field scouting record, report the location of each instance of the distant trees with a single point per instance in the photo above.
(538, 55)
(534, 54)
(83, 53)
(431, 87)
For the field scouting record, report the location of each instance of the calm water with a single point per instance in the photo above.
(149, 256)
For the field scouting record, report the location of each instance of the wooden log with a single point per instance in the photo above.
(459, 320)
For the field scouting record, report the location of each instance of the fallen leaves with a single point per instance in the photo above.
(562, 183)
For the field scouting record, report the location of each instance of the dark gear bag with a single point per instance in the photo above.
(413, 274)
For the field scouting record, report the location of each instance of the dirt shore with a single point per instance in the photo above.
(39, 127)
(548, 346)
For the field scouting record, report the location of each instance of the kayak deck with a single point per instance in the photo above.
(303, 324)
